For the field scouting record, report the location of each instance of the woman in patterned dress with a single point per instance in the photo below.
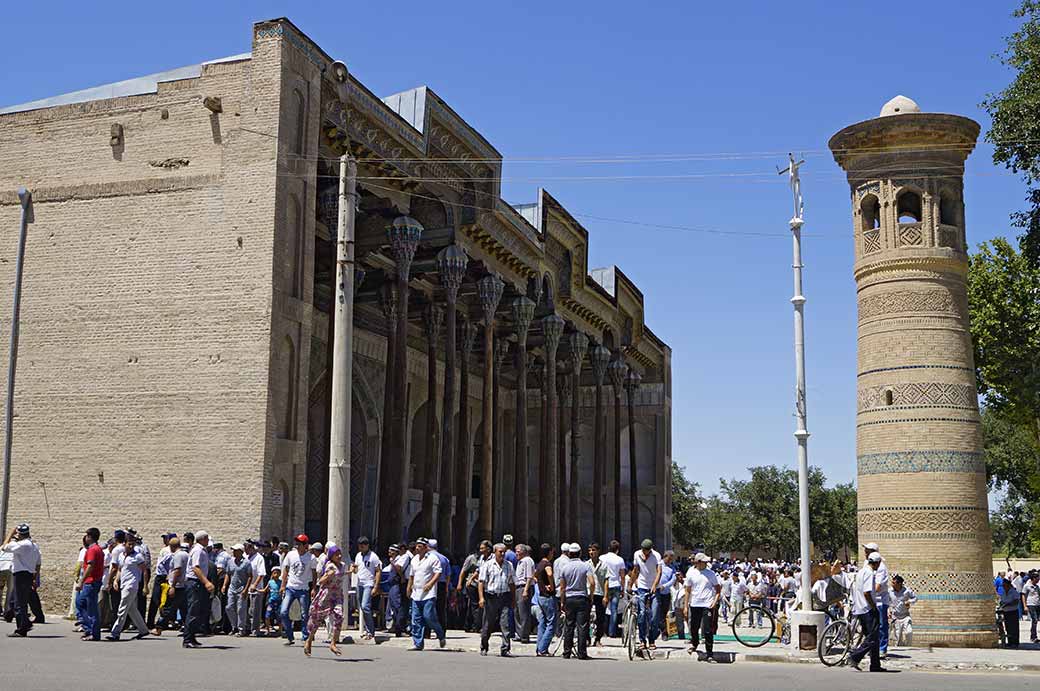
(328, 603)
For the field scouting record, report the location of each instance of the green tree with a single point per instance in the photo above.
(1015, 114)
(1012, 462)
(1004, 293)
(689, 511)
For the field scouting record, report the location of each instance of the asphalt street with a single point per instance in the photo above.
(53, 657)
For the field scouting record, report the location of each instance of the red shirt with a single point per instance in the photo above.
(95, 563)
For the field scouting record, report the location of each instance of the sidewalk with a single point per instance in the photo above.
(1025, 659)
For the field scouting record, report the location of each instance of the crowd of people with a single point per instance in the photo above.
(271, 588)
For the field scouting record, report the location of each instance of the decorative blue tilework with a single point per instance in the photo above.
(925, 461)
(954, 596)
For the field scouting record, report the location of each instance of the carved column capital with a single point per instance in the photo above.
(433, 318)
(404, 235)
(600, 358)
(451, 265)
(618, 371)
(523, 314)
(579, 345)
(552, 328)
(490, 290)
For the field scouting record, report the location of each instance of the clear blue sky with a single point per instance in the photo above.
(551, 79)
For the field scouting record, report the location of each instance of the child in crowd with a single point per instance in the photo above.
(274, 600)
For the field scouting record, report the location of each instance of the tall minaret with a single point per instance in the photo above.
(921, 476)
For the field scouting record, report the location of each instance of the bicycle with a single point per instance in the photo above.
(1001, 630)
(630, 628)
(557, 641)
(752, 635)
(840, 636)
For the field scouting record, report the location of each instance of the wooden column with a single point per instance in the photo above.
(490, 289)
(433, 319)
(460, 524)
(388, 301)
(523, 312)
(563, 384)
(631, 385)
(404, 234)
(501, 348)
(451, 265)
(552, 328)
(599, 358)
(579, 346)
(618, 371)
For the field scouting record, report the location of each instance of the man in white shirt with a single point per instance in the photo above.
(865, 608)
(257, 599)
(367, 566)
(524, 594)
(422, 589)
(297, 574)
(496, 585)
(199, 588)
(615, 581)
(881, 588)
(737, 596)
(25, 566)
(900, 598)
(130, 566)
(401, 565)
(646, 577)
(703, 592)
(574, 582)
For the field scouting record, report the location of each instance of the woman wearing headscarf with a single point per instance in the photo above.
(328, 603)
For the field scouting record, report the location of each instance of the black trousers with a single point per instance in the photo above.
(474, 621)
(577, 610)
(700, 619)
(871, 642)
(176, 599)
(442, 603)
(153, 606)
(198, 599)
(601, 617)
(1011, 627)
(524, 621)
(23, 591)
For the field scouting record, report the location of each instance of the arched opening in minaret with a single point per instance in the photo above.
(908, 207)
(949, 209)
(870, 212)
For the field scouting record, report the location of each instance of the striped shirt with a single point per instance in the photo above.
(496, 577)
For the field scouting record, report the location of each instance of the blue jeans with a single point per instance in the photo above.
(87, 605)
(364, 596)
(424, 613)
(645, 617)
(546, 626)
(304, 596)
(613, 602)
(883, 628)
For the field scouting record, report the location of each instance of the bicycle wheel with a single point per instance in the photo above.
(834, 644)
(630, 630)
(754, 626)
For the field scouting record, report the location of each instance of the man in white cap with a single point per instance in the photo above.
(254, 591)
(574, 582)
(865, 608)
(882, 586)
(25, 565)
(238, 574)
(563, 558)
(703, 591)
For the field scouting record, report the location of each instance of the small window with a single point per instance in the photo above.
(888, 396)
(870, 212)
(949, 208)
(301, 126)
(909, 207)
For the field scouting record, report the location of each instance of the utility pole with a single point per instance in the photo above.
(25, 199)
(342, 359)
(801, 432)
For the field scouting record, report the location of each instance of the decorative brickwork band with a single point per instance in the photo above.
(924, 519)
(946, 582)
(927, 461)
(923, 394)
(915, 420)
(902, 301)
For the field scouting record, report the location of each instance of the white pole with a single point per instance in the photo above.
(25, 198)
(801, 432)
(342, 357)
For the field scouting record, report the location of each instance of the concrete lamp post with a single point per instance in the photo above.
(600, 358)
(618, 371)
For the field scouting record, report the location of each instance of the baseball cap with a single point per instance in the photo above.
(874, 557)
(201, 535)
(647, 544)
(701, 556)
(363, 540)
(574, 548)
(238, 547)
(316, 545)
(302, 537)
(872, 546)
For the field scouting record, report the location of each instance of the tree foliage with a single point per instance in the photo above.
(760, 514)
(1015, 114)
(689, 512)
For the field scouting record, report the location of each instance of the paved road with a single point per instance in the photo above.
(54, 658)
